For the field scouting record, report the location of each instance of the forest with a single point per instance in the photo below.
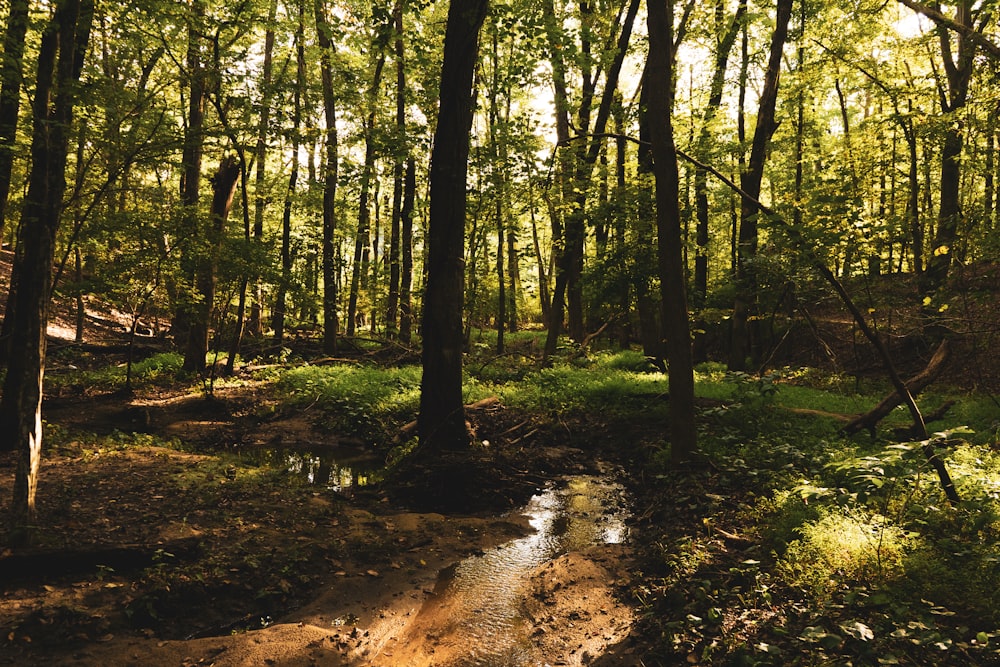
(584, 332)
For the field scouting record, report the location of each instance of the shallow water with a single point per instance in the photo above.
(483, 591)
(336, 469)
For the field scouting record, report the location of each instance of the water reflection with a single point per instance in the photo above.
(335, 469)
(484, 590)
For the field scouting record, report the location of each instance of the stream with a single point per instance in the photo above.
(477, 608)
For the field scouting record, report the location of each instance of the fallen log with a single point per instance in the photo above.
(915, 385)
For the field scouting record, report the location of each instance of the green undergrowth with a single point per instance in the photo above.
(853, 555)
(158, 369)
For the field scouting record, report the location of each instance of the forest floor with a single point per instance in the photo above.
(152, 555)
(159, 541)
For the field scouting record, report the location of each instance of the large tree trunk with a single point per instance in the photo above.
(11, 70)
(442, 413)
(330, 168)
(60, 59)
(746, 341)
(673, 310)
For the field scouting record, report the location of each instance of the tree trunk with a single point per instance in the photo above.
(673, 310)
(723, 50)
(959, 74)
(441, 423)
(745, 340)
(223, 189)
(11, 70)
(330, 169)
(280, 302)
(362, 241)
(392, 307)
(256, 322)
(190, 189)
(406, 248)
(60, 60)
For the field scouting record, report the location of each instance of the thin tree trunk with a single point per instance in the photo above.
(256, 323)
(206, 275)
(392, 308)
(406, 248)
(362, 241)
(190, 189)
(280, 302)
(745, 340)
(958, 68)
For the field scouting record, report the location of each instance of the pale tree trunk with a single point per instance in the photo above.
(441, 422)
(60, 60)
(673, 309)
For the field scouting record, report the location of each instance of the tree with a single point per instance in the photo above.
(744, 309)
(278, 320)
(441, 423)
(330, 171)
(673, 309)
(60, 61)
(10, 97)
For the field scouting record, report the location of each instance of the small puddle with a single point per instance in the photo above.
(336, 469)
(482, 593)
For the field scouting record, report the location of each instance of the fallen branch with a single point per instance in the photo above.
(914, 385)
(919, 426)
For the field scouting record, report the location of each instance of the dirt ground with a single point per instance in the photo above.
(149, 555)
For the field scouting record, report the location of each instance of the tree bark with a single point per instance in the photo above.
(442, 414)
(281, 298)
(744, 340)
(206, 275)
(330, 169)
(60, 60)
(11, 73)
(256, 323)
(406, 249)
(673, 309)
